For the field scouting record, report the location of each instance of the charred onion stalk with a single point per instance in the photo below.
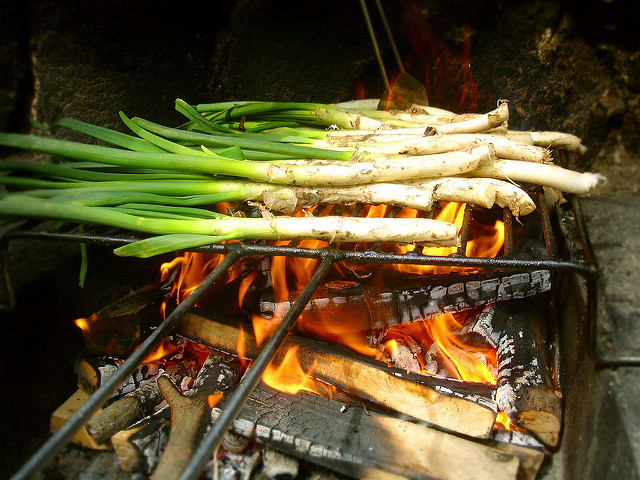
(287, 156)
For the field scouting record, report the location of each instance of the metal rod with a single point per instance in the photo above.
(240, 395)
(59, 439)
(507, 217)
(367, 19)
(390, 35)
(546, 225)
(464, 231)
(351, 256)
(592, 299)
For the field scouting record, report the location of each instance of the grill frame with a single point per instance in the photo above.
(586, 269)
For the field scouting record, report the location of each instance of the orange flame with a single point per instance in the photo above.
(469, 362)
(466, 362)
(503, 421)
(289, 377)
(82, 324)
(214, 398)
(165, 349)
(241, 347)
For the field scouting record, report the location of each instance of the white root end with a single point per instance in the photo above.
(483, 192)
(541, 174)
(490, 120)
(559, 140)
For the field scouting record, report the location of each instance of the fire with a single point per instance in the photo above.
(448, 74)
(503, 421)
(82, 324)
(466, 361)
(440, 337)
(214, 398)
(289, 377)
(410, 343)
(165, 349)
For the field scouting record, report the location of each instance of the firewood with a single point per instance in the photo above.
(115, 330)
(363, 307)
(356, 442)
(94, 371)
(526, 390)
(123, 413)
(529, 451)
(140, 447)
(64, 412)
(279, 465)
(133, 406)
(453, 405)
(191, 413)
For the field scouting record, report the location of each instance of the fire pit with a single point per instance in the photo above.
(234, 84)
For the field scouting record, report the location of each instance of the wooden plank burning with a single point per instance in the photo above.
(453, 405)
(351, 440)
(366, 307)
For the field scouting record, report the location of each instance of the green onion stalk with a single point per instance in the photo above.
(221, 227)
(158, 180)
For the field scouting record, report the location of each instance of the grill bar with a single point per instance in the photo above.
(618, 360)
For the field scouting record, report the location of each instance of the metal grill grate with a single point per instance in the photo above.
(328, 256)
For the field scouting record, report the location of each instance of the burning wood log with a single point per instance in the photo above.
(526, 390)
(133, 406)
(94, 371)
(190, 413)
(529, 451)
(140, 447)
(453, 405)
(351, 440)
(116, 329)
(363, 307)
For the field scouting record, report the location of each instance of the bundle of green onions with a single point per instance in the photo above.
(286, 155)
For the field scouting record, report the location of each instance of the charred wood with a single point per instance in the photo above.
(191, 412)
(526, 390)
(94, 371)
(364, 307)
(140, 447)
(116, 329)
(456, 406)
(358, 443)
